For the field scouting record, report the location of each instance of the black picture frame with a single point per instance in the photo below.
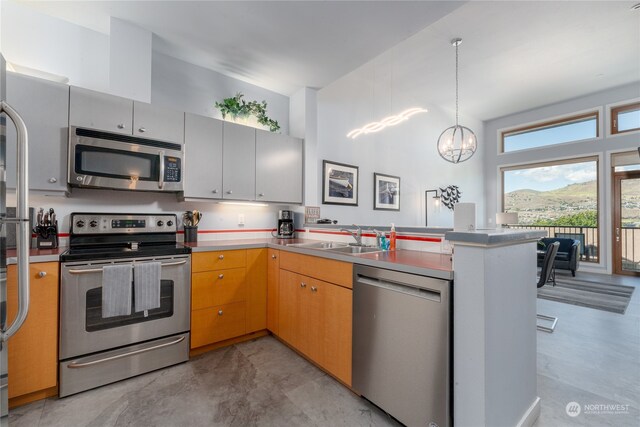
(339, 183)
(386, 192)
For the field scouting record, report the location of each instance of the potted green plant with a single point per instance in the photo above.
(238, 108)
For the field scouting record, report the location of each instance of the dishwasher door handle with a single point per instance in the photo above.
(429, 294)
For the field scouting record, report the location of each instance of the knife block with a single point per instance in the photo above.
(47, 237)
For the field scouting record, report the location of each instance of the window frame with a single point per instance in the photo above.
(549, 123)
(614, 111)
(595, 157)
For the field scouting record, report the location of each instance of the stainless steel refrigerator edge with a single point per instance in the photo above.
(402, 344)
(23, 235)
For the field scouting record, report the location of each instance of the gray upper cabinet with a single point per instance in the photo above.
(203, 157)
(239, 160)
(44, 106)
(97, 110)
(278, 168)
(152, 121)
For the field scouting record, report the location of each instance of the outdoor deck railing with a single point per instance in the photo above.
(587, 236)
(630, 239)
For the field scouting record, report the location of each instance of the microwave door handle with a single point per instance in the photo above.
(161, 181)
(22, 218)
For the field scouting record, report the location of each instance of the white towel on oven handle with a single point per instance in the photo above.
(146, 283)
(116, 290)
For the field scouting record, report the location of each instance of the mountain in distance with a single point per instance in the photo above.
(532, 205)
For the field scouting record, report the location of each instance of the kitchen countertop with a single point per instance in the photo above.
(415, 262)
(37, 255)
(493, 237)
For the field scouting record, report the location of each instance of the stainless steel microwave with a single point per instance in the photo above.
(100, 159)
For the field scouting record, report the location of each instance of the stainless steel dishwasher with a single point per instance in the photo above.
(401, 344)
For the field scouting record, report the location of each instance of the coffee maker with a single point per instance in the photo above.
(285, 225)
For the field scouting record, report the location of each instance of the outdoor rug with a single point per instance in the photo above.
(601, 296)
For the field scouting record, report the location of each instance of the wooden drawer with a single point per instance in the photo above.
(213, 288)
(218, 260)
(338, 272)
(210, 325)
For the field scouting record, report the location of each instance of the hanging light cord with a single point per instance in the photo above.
(457, 44)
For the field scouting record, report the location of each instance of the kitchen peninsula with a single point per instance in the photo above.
(487, 268)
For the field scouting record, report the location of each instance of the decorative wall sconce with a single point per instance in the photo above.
(447, 196)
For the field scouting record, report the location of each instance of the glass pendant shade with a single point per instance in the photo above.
(457, 144)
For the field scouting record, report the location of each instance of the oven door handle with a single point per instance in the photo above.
(99, 270)
(79, 364)
(161, 181)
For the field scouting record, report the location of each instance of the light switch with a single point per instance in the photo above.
(241, 219)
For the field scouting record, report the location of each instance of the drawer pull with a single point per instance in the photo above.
(219, 312)
(42, 274)
(221, 276)
(273, 257)
(221, 257)
(303, 285)
(314, 289)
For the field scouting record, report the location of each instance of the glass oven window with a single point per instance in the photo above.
(95, 322)
(99, 161)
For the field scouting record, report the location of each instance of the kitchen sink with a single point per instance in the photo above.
(319, 245)
(355, 250)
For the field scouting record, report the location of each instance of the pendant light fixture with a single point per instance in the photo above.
(457, 143)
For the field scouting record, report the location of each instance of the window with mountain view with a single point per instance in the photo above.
(559, 197)
(553, 132)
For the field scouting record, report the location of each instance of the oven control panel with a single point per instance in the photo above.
(96, 223)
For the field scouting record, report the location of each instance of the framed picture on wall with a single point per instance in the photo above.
(386, 192)
(339, 184)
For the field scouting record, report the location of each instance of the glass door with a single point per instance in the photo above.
(626, 222)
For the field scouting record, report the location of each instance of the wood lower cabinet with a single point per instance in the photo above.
(33, 350)
(273, 280)
(228, 295)
(315, 318)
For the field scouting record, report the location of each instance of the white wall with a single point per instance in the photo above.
(303, 123)
(130, 60)
(602, 147)
(41, 42)
(407, 150)
(187, 87)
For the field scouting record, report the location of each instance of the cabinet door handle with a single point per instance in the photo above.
(314, 289)
(53, 180)
(215, 191)
(42, 274)
(221, 276)
(142, 130)
(220, 313)
(303, 285)
(261, 195)
(221, 257)
(273, 257)
(121, 126)
(230, 192)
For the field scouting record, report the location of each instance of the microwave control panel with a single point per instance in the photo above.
(172, 169)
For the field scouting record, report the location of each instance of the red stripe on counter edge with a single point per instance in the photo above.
(399, 237)
(263, 230)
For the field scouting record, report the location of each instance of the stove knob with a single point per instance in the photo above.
(160, 223)
(93, 223)
(169, 223)
(80, 223)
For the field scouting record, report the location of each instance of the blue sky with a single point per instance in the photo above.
(551, 136)
(549, 177)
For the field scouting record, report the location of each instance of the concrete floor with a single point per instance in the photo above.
(593, 358)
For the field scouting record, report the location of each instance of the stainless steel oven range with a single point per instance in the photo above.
(99, 347)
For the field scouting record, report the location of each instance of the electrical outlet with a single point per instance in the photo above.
(241, 219)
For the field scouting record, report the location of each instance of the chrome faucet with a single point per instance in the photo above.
(355, 234)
